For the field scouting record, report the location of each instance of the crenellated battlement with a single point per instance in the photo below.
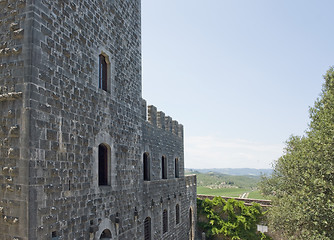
(160, 120)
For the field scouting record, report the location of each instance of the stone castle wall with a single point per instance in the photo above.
(54, 116)
(14, 163)
(164, 137)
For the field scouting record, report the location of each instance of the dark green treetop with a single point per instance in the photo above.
(302, 184)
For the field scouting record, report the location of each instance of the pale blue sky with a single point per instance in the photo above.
(240, 75)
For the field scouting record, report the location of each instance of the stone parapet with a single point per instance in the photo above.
(160, 120)
(191, 180)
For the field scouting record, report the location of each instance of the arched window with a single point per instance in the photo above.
(165, 221)
(147, 167)
(104, 164)
(177, 168)
(147, 228)
(177, 213)
(106, 234)
(103, 72)
(163, 167)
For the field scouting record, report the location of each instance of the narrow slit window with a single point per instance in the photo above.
(191, 224)
(177, 168)
(147, 228)
(177, 214)
(146, 166)
(163, 167)
(103, 72)
(104, 165)
(165, 221)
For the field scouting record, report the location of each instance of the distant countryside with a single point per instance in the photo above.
(229, 182)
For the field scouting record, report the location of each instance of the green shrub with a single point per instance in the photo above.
(221, 219)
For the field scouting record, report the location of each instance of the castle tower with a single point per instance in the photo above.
(79, 158)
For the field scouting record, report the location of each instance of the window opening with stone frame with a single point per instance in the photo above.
(165, 221)
(177, 213)
(163, 167)
(191, 234)
(104, 164)
(106, 234)
(147, 229)
(177, 168)
(54, 236)
(103, 72)
(147, 167)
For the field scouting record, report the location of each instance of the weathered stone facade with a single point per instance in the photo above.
(54, 116)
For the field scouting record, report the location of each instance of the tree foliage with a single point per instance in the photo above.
(302, 184)
(231, 219)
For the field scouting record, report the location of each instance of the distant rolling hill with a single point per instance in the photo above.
(233, 171)
(229, 182)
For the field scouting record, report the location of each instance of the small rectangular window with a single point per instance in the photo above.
(165, 221)
(177, 168)
(103, 161)
(146, 166)
(177, 214)
(103, 73)
(164, 167)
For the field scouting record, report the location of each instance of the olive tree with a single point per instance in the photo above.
(302, 184)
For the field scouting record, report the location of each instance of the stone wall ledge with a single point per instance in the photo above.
(10, 96)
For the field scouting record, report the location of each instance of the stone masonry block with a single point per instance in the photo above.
(51, 135)
(13, 153)
(175, 127)
(180, 132)
(168, 124)
(144, 110)
(14, 131)
(152, 115)
(161, 120)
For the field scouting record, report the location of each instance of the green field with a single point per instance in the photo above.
(226, 192)
(230, 192)
(218, 184)
(256, 195)
(215, 179)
